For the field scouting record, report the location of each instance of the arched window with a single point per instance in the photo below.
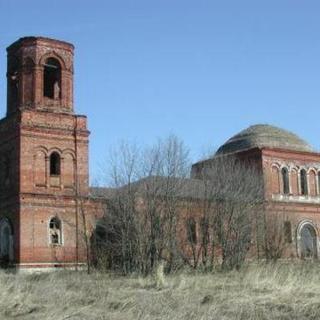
(191, 231)
(303, 182)
(6, 241)
(52, 79)
(275, 180)
(285, 181)
(54, 164)
(318, 175)
(55, 231)
(308, 242)
(13, 81)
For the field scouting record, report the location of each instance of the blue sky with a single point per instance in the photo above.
(202, 70)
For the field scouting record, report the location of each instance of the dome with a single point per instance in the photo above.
(263, 135)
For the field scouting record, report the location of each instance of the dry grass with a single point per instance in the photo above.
(257, 292)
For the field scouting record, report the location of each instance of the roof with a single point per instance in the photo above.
(264, 135)
(102, 192)
(32, 40)
(182, 187)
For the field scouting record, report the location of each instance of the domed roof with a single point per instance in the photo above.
(263, 135)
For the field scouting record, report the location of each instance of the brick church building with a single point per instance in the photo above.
(291, 175)
(45, 197)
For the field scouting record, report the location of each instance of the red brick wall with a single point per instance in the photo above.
(35, 127)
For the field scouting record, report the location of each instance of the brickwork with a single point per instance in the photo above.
(295, 208)
(37, 126)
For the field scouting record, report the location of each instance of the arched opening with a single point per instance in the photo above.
(6, 242)
(285, 181)
(308, 242)
(191, 231)
(318, 178)
(52, 79)
(55, 231)
(303, 182)
(54, 164)
(13, 81)
(275, 180)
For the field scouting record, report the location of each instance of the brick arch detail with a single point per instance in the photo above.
(69, 151)
(55, 149)
(40, 166)
(41, 148)
(53, 54)
(312, 178)
(69, 169)
(275, 178)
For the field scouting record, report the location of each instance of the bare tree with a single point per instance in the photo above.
(233, 195)
(141, 218)
(144, 212)
(276, 235)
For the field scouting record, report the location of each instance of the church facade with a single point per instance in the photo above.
(45, 199)
(291, 175)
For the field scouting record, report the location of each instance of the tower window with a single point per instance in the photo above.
(13, 81)
(191, 231)
(54, 164)
(303, 182)
(55, 231)
(52, 79)
(285, 181)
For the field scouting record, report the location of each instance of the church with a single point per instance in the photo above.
(45, 198)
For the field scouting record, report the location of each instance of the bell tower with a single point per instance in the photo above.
(43, 157)
(40, 75)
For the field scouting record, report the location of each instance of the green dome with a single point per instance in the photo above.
(263, 135)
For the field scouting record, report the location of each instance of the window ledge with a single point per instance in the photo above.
(293, 198)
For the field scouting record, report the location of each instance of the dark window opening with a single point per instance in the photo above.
(308, 242)
(55, 231)
(191, 231)
(54, 164)
(303, 182)
(285, 181)
(52, 79)
(13, 81)
(54, 238)
(318, 182)
(287, 232)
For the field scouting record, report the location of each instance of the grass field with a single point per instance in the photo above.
(280, 291)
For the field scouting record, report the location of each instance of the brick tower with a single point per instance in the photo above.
(44, 158)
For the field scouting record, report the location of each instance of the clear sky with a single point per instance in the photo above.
(201, 69)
